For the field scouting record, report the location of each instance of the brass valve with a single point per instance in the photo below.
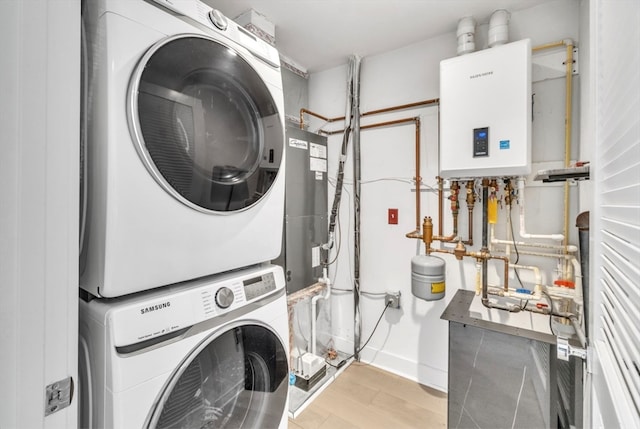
(455, 190)
(509, 194)
(471, 195)
(427, 233)
(459, 251)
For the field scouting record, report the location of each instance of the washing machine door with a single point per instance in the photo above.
(237, 379)
(205, 124)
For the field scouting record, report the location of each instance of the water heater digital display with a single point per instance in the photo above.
(485, 113)
(481, 141)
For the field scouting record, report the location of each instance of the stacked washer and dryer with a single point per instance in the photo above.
(183, 322)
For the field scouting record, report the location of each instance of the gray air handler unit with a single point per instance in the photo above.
(305, 220)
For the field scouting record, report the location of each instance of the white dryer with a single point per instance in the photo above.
(212, 353)
(184, 145)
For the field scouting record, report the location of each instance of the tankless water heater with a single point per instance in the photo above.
(485, 113)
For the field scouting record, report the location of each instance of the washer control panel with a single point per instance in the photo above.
(258, 286)
(160, 313)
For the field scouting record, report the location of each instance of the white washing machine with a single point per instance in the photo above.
(211, 353)
(184, 171)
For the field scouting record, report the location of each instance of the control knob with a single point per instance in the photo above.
(224, 297)
(218, 19)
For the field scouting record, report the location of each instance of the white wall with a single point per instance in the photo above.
(39, 119)
(412, 341)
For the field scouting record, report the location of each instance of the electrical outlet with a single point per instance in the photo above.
(393, 299)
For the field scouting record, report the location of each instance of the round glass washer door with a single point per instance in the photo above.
(205, 124)
(237, 379)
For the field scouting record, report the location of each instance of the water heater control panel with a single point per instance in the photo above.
(481, 141)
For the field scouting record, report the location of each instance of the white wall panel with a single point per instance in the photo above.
(39, 118)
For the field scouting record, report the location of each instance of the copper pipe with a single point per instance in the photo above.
(377, 125)
(455, 204)
(480, 256)
(403, 107)
(440, 210)
(418, 178)
(317, 115)
(471, 201)
(416, 120)
(440, 237)
(372, 112)
(548, 46)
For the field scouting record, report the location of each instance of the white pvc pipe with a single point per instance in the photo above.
(570, 248)
(523, 232)
(537, 289)
(559, 256)
(465, 34)
(577, 277)
(499, 28)
(325, 279)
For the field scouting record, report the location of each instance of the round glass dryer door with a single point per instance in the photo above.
(205, 124)
(234, 380)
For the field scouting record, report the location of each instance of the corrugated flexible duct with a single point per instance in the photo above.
(354, 63)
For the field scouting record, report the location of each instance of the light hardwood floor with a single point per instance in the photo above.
(368, 398)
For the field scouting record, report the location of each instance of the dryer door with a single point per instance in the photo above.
(237, 379)
(205, 124)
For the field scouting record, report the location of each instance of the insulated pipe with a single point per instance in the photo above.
(357, 326)
(567, 134)
(325, 279)
(579, 332)
(561, 256)
(570, 248)
(523, 232)
(582, 222)
(569, 45)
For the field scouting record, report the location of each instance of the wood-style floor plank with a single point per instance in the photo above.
(365, 397)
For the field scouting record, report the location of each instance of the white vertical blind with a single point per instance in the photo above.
(616, 258)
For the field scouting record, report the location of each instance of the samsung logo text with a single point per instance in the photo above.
(156, 307)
